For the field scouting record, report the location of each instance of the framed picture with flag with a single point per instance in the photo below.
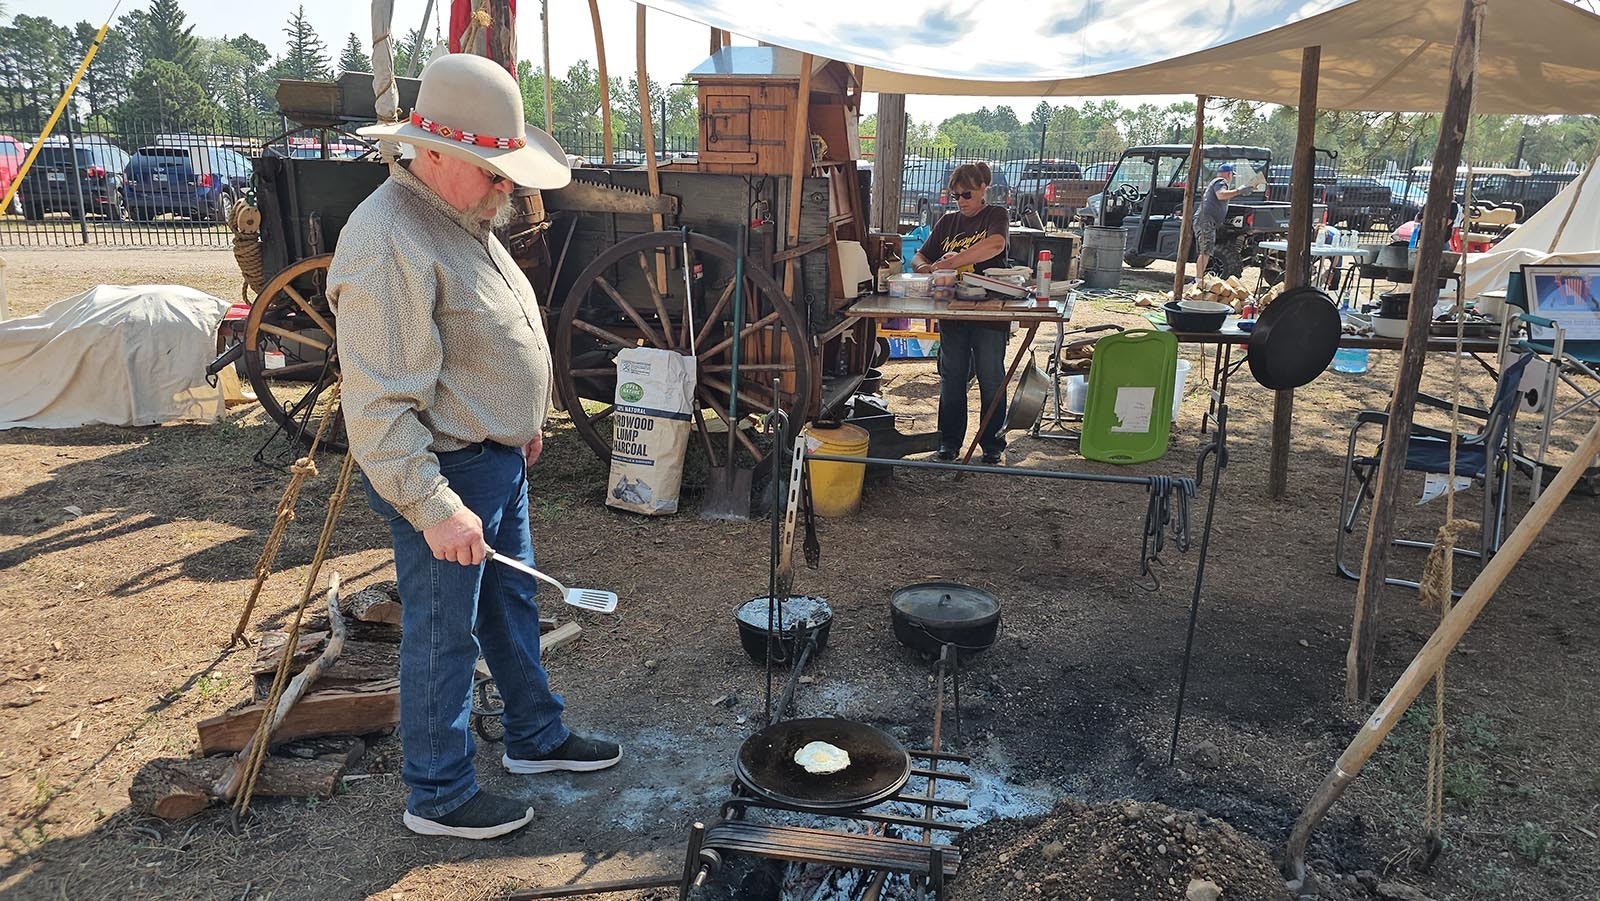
(1570, 295)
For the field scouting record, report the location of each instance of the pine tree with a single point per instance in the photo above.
(163, 34)
(354, 58)
(306, 57)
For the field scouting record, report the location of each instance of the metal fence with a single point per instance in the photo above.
(143, 185)
(139, 184)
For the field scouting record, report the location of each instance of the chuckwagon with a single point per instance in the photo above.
(622, 257)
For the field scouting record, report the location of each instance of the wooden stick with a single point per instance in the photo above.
(605, 82)
(647, 134)
(1434, 653)
(228, 785)
(800, 149)
(1297, 259)
(1186, 228)
(1403, 398)
(549, 103)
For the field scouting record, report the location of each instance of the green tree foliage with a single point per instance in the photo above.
(354, 56)
(306, 56)
(165, 98)
(105, 83)
(162, 33)
(33, 65)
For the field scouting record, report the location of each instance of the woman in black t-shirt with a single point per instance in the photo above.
(971, 237)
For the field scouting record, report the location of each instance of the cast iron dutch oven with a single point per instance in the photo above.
(929, 615)
(879, 765)
(752, 619)
(1295, 339)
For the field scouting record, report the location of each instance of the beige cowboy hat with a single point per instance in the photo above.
(470, 108)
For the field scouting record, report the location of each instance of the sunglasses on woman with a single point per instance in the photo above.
(961, 195)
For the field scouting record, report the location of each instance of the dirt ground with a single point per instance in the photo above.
(125, 556)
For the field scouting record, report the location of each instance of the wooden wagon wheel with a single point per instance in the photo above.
(597, 320)
(292, 317)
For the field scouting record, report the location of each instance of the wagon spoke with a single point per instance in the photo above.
(722, 413)
(602, 334)
(635, 318)
(300, 302)
(659, 301)
(749, 330)
(595, 373)
(296, 337)
(745, 397)
(722, 303)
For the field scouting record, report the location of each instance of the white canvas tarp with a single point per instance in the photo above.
(1537, 56)
(1565, 230)
(114, 355)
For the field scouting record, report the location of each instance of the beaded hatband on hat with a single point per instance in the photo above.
(466, 137)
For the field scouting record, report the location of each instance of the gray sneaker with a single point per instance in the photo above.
(575, 755)
(483, 816)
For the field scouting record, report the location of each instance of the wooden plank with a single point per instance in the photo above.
(1403, 399)
(551, 642)
(800, 154)
(354, 711)
(173, 789)
(1297, 261)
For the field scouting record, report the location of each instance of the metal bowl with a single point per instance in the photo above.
(1183, 320)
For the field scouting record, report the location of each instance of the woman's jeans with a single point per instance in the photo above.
(442, 605)
(965, 348)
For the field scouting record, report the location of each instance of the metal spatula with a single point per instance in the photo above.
(583, 598)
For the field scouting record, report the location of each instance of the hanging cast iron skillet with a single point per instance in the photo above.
(879, 765)
(1295, 339)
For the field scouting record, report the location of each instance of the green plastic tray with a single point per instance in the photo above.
(1127, 414)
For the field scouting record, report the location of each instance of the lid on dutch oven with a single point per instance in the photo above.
(946, 604)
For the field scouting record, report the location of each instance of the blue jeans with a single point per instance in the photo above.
(449, 614)
(965, 348)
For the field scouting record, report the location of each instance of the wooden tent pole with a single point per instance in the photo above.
(716, 39)
(1297, 259)
(647, 134)
(1186, 228)
(888, 162)
(605, 81)
(1434, 652)
(549, 99)
(800, 145)
(1403, 399)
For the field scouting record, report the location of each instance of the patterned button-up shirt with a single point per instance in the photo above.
(441, 344)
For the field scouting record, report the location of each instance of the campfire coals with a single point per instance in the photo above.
(1122, 849)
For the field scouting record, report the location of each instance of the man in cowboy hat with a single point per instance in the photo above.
(446, 384)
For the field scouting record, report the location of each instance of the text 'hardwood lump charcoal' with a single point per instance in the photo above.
(650, 429)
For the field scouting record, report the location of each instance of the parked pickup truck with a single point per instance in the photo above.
(1145, 194)
(1354, 201)
(1055, 189)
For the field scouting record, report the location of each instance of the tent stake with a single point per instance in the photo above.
(1403, 400)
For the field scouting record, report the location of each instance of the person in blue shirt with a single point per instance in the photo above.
(1209, 214)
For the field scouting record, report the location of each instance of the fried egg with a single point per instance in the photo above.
(822, 758)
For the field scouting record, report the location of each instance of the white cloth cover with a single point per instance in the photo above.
(1537, 56)
(114, 355)
(1536, 241)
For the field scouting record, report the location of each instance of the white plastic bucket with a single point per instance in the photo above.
(1077, 390)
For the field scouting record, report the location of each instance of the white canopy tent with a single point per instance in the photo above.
(1537, 57)
(1565, 230)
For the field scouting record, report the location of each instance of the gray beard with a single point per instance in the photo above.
(497, 204)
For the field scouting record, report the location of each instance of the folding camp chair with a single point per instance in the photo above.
(1573, 363)
(1487, 457)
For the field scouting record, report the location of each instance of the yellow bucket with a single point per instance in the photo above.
(836, 487)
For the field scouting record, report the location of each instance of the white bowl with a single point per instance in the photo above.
(1204, 306)
(1385, 327)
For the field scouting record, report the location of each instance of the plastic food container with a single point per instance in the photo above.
(943, 278)
(909, 285)
(943, 292)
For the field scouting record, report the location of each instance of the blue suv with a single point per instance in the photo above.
(202, 183)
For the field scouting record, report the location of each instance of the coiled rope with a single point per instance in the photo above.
(244, 220)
